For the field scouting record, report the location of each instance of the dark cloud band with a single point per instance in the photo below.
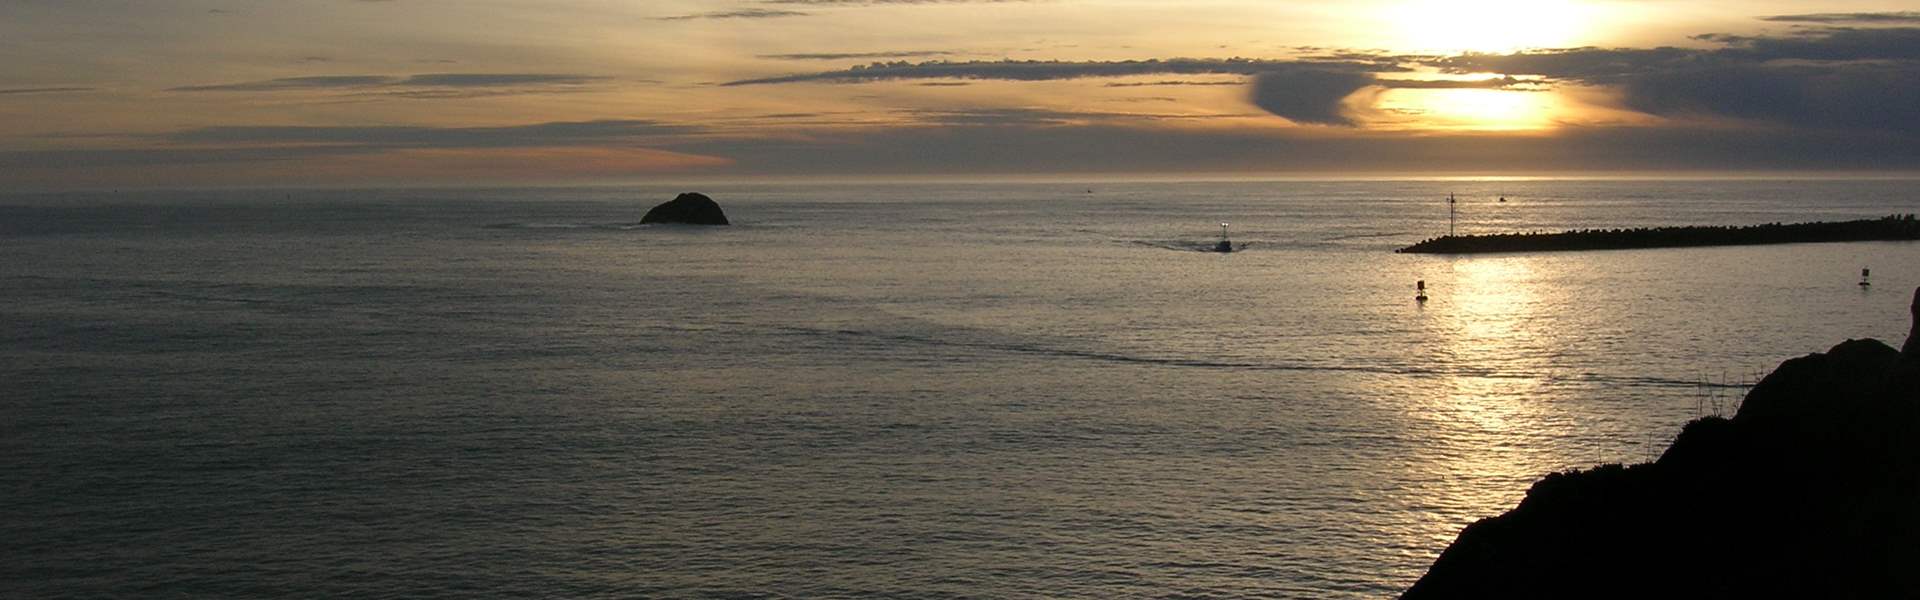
(42, 90)
(444, 80)
(1856, 79)
(856, 55)
(748, 13)
(1046, 70)
(1848, 18)
(538, 135)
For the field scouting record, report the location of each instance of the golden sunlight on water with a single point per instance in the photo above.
(1492, 302)
(1486, 418)
(1494, 331)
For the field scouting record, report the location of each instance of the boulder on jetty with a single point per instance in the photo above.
(1811, 490)
(692, 208)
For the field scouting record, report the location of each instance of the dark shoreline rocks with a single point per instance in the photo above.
(691, 208)
(1811, 490)
(1889, 228)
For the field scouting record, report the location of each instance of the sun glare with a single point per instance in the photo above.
(1471, 109)
(1485, 25)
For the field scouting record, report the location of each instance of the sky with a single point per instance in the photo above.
(188, 93)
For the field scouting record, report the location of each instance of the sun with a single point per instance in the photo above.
(1447, 27)
(1473, 109)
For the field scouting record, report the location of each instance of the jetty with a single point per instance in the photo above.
(1888, 228)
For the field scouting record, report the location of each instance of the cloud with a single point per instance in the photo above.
(856, 55)
(994, 117)
(1013, 142)
(1859, 97)
(1850, 79)
(1495, 83)
(1840, 18)
(557, 147)
(1105, 147)
(563, 133)
(1319, 97)
(431, 80)
(1606, 65)
(496, 79)
(147, 157)
(330, 166)
(43, 90)
(1128, 84)
(1900, 43)
(1832, 78)
(1046, 70)
(1304, 91)
(745, 13)
(291, 83)
(1037, 117)
(1308, 95)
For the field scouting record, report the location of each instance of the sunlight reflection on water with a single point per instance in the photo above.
(879, 391)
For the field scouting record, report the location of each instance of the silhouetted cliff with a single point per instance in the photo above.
(1812, 490)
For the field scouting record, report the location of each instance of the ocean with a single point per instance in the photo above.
(1015, 390)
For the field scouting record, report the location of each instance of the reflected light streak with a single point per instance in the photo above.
(1488, 421)
(1496, 330)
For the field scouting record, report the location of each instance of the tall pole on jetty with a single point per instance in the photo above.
(1450, 217)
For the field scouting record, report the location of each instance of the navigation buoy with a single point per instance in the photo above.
(1420, 290)
(1865, 275)
(1450, 213)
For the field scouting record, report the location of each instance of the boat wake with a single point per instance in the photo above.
(568, 226)
(850, 337)
(1191, 245)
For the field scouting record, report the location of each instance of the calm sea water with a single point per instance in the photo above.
(911, 391)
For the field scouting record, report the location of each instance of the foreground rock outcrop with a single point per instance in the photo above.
(1812, 490)
(692, 208)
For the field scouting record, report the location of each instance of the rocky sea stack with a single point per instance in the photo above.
(1811, 490)
(692, 208)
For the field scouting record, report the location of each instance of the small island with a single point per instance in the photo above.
(691, 208)
(1888, 228)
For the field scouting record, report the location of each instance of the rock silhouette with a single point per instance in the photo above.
(692, 208)
(1912, 349)
(1811, 490)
